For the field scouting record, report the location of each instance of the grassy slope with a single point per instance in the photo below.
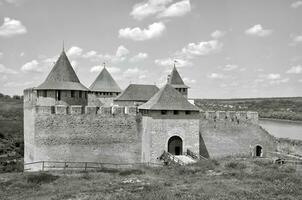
(289, 108)
(240, 179)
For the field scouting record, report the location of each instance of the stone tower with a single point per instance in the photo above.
(170, 124)
(175, 80)
(62, 86)
(103, 90)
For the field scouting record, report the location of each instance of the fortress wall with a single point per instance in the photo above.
(157, 131)
(85, 134)
(98, 100)
(224, 138)
(30, 98)
(233, 116)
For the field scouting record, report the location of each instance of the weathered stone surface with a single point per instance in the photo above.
(61, 110)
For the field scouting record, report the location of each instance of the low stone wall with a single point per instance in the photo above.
(227, 138)
(233, 116)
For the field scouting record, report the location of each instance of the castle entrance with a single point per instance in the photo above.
(258, 151)
(175, 145)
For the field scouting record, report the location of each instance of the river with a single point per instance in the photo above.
(282, 129)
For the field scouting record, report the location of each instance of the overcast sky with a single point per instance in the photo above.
(224, 48)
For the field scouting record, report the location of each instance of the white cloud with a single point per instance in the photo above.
(139, 57)
(215, 76)
(32, 66)
(74, 51)
(153, 31)
(296, 4)
(218, 34)
(273, 76)
(230, 67)
(202, 48)
(12, 27)
(295, 70)
(14, 84)
(15, 2)
(177, 9)
(151, 7)
(296, 40)
(166, 62)
(300, 80)
(90, 54)
(1, 55)
(188, 80)
(6, 70)
(121, 51)
(134, 73)
(258, 30)
(98, 68)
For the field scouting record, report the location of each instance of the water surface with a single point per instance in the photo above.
(282, 129)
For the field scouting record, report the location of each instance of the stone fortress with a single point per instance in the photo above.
(66, 122)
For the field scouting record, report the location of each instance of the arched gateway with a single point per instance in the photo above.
(175, 145)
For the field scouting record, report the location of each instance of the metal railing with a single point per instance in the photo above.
(69, 165)
(194, 155)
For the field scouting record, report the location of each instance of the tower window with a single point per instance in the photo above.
(58, 95)
(163, 112)
(44, 93)
(188, 112)
(175, 112)
(80, 94)
(72, 94)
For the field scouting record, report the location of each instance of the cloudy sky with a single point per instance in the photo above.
(223, 48)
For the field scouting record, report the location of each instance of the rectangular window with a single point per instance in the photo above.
(163, 112)
(58, 95)
(85, 95)
(44, 93)
(80, 94)
(188, 112)
(175, 112)
(72, 93)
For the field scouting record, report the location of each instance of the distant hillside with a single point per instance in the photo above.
(287, 108)
(11, 128)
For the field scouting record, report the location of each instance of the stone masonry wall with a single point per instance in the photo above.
(227, 138)
(107, 135)
(156, 133)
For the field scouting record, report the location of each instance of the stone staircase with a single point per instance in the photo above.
(189, 158)
(186, 159)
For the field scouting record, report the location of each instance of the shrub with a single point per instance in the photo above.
(234, 165)
(131, 171)
(41, 178)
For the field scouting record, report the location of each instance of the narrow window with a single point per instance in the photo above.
(80, 94)
(44, 93)
(163, 112)
(188, 112)
(85, 95)
(72, 93)
(58, 95)
(175, 112)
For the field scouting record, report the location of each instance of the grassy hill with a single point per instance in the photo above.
(11, 130)
(227, 179)
(287, 108)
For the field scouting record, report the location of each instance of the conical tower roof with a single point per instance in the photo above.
(168, 98)
(62, 77)
(175, 80)
(105, 83)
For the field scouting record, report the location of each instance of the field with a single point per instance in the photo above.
(287, 108)
(225, 179)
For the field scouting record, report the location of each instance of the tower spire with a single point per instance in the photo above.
(63, 46)
(104, 64)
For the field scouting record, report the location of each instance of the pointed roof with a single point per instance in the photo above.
(62, 77)
(175, 79)
(137, 92)
(105, 83)
(168, 98)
